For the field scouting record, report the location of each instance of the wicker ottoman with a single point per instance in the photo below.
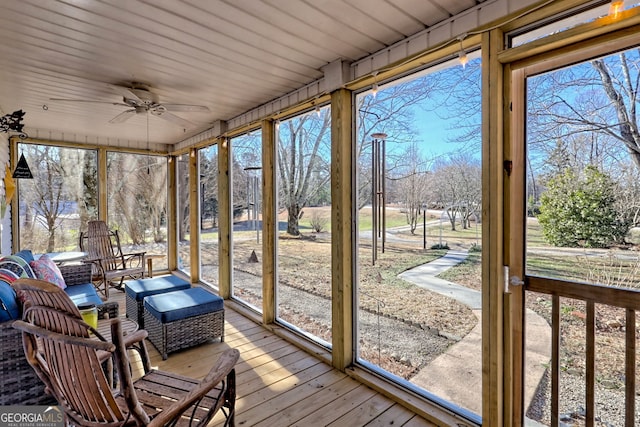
(136, 290)
(182, 319)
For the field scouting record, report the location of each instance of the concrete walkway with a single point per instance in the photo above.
(456, 375)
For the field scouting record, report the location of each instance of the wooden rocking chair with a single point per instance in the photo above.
(34, 292)
(58, 346)
(110, 265)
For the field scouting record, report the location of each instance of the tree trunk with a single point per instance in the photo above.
(453, 215)
(292, 219)
(51, 244)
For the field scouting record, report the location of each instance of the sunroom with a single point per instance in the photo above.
(311, 161)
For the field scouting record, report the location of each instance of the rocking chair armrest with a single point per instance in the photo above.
(103, 262)
(134, 257)
(131, 255)
(134, 337)
(134, 253)
(223, 367)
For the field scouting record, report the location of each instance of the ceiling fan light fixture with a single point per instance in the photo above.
(138, 98)
(158, 109)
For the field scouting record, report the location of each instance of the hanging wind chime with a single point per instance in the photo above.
(13, 123)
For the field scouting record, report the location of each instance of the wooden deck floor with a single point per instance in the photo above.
(280, 385)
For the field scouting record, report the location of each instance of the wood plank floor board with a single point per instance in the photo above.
(261, 400)
(266, 353)
(273, 372)
(302, 390)
(417, 421)
(198, 367)
(364, 413)
(312, 406)
(243, 333)
(280, 385)
(326, 405)
(394, 416)
(315, 376)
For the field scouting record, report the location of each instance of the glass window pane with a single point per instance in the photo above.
(209, 214)
(246, 174)
(137, 203)
(583, 198)
(183, 211)
(303, 290)
(419, 200)
(62, 196)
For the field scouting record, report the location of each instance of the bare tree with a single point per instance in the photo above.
(183, 197)
(585, 115)
(137, 195)
(209, 184)
(61, 192)
(391, 111)
(246, 151)
(412, 185)
(303, 162)
(457, 188)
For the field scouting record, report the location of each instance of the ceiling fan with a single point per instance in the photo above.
(139, 99)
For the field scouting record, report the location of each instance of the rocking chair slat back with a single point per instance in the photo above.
(110, 265)
(67, 359)
(38, 292)
(70, 367)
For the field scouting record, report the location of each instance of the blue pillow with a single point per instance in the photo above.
(8, 304)
(26, 255)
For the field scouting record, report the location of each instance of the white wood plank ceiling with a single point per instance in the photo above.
(228, 55)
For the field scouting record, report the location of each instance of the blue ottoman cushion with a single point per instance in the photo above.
(177, 305)
(84, 293)
(141, 288)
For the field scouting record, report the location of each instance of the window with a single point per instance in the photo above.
(137, 203)
(246, 173)
(303, 289)
(62, 196)
(209, 214)
(581, 228)
(419, 200)
(183, 210)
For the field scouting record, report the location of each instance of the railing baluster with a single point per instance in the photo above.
(555, 360)
(630, 369)
(590, 365)
(589, 293)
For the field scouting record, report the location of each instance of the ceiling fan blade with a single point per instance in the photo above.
(186, 108)
(125, 92)
(87, 101)
(175, 119)
(123, 117)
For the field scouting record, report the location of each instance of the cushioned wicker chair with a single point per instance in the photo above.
(58, 346)
(110, 266)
